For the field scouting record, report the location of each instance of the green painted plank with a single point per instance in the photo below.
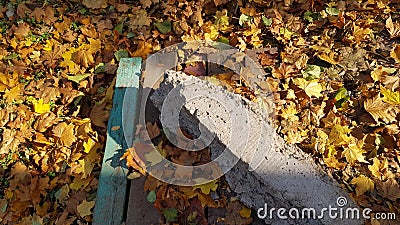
(112, 189)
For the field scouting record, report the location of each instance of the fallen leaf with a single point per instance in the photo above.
(391, 97)
(66, 133)
(85, 207)
(143, 50)
(393, 28)
(312, 87)
(151, 197)
(206, 188)
(9, 142)
(389, 189)
(45, 121)
(380, 110)
(164, 27)
(170, 214)
(353, 154)
(95, 4)
(363, 184)
(395, 53)
(378, 168)
(40, 107)
(245, 212)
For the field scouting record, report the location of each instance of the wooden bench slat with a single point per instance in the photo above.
(112, 189)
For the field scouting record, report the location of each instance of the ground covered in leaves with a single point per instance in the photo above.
(333, 67)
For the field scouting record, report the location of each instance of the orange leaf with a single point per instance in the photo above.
(143, 50)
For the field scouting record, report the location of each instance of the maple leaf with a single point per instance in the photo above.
(389, 189)
(45, 121)
(363, 184)
(353, 154)
(393, 28)
(66, 133)
(9, 142)
(395, 53)
(8, 81)
(381, 72)
(143, 50)
(95, 4)
(14, 93)
(312, 87)
(245, 212)
(391, 97)
(206, 188)
(378, 167)
(139, 19)
(40, 107)
(85, 207)
(154, 157)
(380, 110)
(83, 57)
(89, 162)
(326, 54)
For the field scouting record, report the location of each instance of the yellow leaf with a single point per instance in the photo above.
(363, 184)
(222, 20)
(67, 56)
(353, 154)
(339, 135)
(90, 161)
(8, 81)
(332, 162)
(143, 50)
(381, 71)
(312, 87)
(391, 97)
(154, 157)
(245, 212)
(88, 145)
(290, 111)
(206, 188)
(40, 107)
(79, 182)
(380, 110)
(85, 207)
(14, 94)
(83, 57)
(378, 167)
(66, 133)
(395, 53)
(212, 34)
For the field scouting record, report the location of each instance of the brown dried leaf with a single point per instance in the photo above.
(393, 28)
(45, 121)
(9, 142)
(380, 110)
(95, 4)
(66, 133)
(389, 189)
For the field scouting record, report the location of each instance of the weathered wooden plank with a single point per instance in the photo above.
(112, 189)
(139, 210)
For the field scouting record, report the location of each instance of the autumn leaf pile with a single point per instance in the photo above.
(333, 68)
